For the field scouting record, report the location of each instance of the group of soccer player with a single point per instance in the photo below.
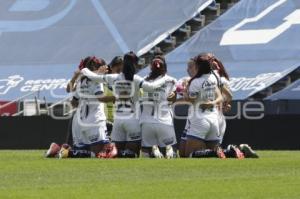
(143, 110)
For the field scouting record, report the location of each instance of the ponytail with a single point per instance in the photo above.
(129, 65)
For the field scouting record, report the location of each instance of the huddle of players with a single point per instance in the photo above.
(143, 118)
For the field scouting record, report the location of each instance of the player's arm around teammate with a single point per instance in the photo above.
(156, 113)
(126, 86)
(204, 94)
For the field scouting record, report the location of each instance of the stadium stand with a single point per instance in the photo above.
(200, 28)
(46, 43)
(257, 67)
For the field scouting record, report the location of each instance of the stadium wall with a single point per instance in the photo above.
(35, 132)
(276, 132)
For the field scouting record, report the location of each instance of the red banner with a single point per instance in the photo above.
(8, 110)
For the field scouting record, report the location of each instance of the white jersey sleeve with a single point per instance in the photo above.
(224, 82)
(152, 86)
(101, 78)
(194, 89)
(138, 80)
(93, 76)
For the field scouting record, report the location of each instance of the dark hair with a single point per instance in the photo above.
(83, 63)
(204, 66)
(130, 61)
(95, 63)
(218, 65)
(159, 67)
(115, 61)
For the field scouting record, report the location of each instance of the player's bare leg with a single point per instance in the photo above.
(182, 146)
(193, 145)
(213, 145)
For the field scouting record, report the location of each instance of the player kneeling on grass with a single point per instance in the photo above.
(202, 131)
(126, 86)
(232, 151)
(222, 78)
(156, 113)
(91, 120)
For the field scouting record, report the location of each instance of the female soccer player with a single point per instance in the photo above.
(204, 94)
(156, 116)
(243, 150)
(71, 88)
(90, 118)
(126, 131)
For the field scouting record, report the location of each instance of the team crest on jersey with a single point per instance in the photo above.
(206, 84)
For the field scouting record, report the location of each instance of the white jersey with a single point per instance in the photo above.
(154, 103)
(127, 92)
(90, 109)
(204, 89)
(203, 124)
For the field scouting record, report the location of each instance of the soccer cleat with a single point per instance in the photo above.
(52, 151)
(248, 151)
(112, 151)
(156, 153)
(220, 153)
(236, 152)
(101, 154)
(63, 153)
(128, 154)
(169, 152)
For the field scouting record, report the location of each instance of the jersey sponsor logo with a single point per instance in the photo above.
(234, 36)
(123, 89)
(160, 93)
(207, 84)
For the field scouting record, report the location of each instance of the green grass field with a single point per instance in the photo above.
(26, 174)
